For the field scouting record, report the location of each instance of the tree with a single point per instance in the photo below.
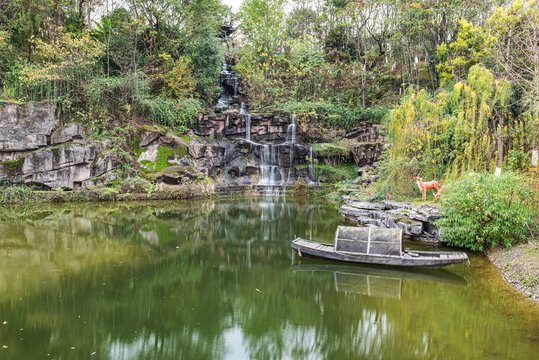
(179, 82)
(514, 47)
(468, 49)
(261, 24)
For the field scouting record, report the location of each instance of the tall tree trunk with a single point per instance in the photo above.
(364, 84)
(499, 158)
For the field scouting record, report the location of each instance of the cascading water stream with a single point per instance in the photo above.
(312, 172)
(291, 130)
(271, 167)
(243, 111)
(248, 127)
(291, 139)
(229, 89)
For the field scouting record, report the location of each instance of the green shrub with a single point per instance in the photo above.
(14, 194)
(169, 112)
(333, 174)
(517, 160)
(206, 57)
(482, 211)
(336, 153)
(336, 115)
(121, 97)
(113, 97)
(397, 177)
(179, 82)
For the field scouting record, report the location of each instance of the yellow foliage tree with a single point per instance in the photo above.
(452, 133)
(179, 82)
(61, 65)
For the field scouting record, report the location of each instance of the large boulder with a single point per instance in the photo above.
(148, 136)
(64, 166)
(416, 221)
(71, 132)
(209, 148)
(25, 128)
(176, 175)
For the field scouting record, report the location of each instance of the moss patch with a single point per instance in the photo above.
(13, 166)
(332, 174)
(337, 151)
(164, 154)
(154, 127)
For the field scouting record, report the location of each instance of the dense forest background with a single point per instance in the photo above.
(455, 81)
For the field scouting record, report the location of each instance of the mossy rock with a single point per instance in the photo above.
(333, 174)
(164, 154)
(186, 139)
(176, 175)
(335, 152)
(156, 128)
(13, 167)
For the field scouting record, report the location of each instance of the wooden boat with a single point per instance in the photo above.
(374, 245)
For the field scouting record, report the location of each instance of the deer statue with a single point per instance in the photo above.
(440, 191)
(424, 186)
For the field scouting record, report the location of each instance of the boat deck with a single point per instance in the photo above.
(318, 246)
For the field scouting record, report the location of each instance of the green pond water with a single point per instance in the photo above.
(218, 280)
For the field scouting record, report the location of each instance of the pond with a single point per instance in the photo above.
(218, 280)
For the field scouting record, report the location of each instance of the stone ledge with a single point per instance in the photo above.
(417, 222)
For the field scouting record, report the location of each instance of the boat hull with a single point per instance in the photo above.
(429, 259)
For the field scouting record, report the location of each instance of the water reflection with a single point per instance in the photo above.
(375, 280)
(213, 279)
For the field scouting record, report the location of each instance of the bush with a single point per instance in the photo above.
(517, 160)
(206, 58)
(334, 174)
(397, 177)
(14, 194)
(179, 82)
(482, 211)
(160, 110)
(112, 97)
(119, 97)
(336, 115)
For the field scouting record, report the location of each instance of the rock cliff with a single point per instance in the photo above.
(35, 149)
(232, 148)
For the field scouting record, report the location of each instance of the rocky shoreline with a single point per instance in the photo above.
(519, 266)
(417, 222)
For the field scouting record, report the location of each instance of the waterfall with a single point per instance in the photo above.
(271, 168)
(243, 111)
(312, 172)
(248, 127)
(229, 89)
(291, 139)
(271, 174)
(274, 172)
(291, 130)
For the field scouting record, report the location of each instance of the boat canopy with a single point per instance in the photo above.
(369, 240)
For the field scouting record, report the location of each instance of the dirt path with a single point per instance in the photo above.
(520, 267)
